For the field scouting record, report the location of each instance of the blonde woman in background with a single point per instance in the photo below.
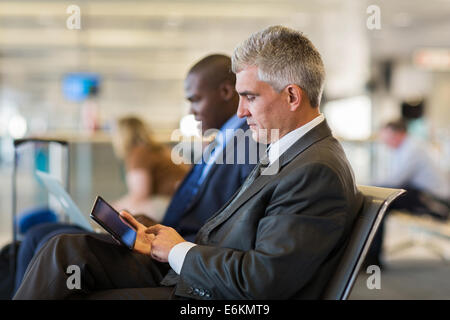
(151, 176)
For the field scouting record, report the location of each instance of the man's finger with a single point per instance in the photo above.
(151, 237)
(154, 229)
(130, 219)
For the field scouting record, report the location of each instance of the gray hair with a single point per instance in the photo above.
(283, 56)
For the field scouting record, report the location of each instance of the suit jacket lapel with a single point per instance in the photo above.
(320, 132)
(316, 134)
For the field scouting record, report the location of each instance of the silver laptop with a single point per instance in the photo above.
(55, 188)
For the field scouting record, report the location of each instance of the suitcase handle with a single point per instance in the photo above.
(18, 142)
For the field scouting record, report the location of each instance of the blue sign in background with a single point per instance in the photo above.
(78, 85)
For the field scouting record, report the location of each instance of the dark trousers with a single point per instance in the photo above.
(103, 263)
(34, 239)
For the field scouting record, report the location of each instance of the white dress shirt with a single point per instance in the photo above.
(179, 251)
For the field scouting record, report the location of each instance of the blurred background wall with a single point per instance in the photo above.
(142, 49)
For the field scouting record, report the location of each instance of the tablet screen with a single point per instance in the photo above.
(111, 221)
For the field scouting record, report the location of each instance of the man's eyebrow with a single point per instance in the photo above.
(247, 93)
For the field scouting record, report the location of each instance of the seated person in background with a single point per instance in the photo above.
(415, 170)
(210, 89)
(151, 175)
(280, 236)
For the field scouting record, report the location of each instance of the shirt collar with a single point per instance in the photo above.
(277, 148)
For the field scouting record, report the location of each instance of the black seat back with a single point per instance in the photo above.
(376, 202)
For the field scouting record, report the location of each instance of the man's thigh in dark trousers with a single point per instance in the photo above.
(103, 264)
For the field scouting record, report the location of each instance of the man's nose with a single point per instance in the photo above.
(242, 110)
(192, 109)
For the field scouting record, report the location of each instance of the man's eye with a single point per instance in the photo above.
(250, 98)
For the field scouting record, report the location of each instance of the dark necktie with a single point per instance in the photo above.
(183, 196)
(187, 191)
(211, 223)
(256, 172)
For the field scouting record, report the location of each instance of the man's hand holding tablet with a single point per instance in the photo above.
(155, 241)
(124, 228)
(143, 243)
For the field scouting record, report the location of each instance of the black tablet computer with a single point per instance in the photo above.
(110, 220)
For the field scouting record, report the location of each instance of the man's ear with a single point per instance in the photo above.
(294, 96)
(226, 90)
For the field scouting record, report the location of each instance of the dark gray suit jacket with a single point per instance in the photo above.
(283, 236)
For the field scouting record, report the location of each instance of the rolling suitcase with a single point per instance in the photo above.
(31, 203)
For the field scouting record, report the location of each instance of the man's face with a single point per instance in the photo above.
(205, 102)
(262, 105)
(391, 138)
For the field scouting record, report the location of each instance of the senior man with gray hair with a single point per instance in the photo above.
(280, 237)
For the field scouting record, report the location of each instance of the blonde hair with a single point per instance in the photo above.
(130, 133)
